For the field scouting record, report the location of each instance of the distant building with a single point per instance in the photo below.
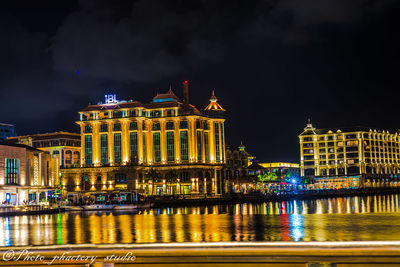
(350, 157)
(7, 130)
(65, 147)
(236, 172)
(167, 146)
(282, 169)
(27, 175)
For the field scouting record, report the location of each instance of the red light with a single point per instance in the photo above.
(186, 82)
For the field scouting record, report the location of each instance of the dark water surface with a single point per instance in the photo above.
(337, 219)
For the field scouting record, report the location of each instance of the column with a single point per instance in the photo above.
(125, 141)
(177, 137)
(110, 136)
(192, 139)
(82, 146)
(163, 142)
(211, 140)
(140, 140)
(95, 143)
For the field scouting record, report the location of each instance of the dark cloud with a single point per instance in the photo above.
(155, 41)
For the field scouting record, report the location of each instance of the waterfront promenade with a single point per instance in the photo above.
(29, 210)
(383, 253)
(204, 200)
(257, 197)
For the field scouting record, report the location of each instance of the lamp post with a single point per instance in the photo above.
(61, 192)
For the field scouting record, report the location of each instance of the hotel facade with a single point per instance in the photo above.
(166, 146)
(355, 157)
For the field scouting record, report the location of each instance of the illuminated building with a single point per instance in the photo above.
(26, 174)
(6, 130)
(164, 147)
(355, 156)
(283, 168)
(235, 169)
(65, 147)
(241, 168)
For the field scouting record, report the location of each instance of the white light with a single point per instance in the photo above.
(110, 99)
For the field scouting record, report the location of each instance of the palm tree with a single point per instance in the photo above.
(172, 177)
(272, 177)
(152, 175)
(254, 179)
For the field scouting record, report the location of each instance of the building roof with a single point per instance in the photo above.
(154, 105)
(310, 130)
(166, 100)
(213, 105)
(119, 105)
(21, 145)
(189, 109)
(280, 165)
(255, 166)
(46, 136)
(167, 97)
(6, 124)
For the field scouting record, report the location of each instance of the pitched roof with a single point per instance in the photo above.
(213, 105)
(129, 104)
(21, 145)
(167, 97)
(255, 166)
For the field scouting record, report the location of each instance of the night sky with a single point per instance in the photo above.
(272, 64)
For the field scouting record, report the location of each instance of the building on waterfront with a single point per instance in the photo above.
(283, 169)
(235, 170)
(65, 147)
(242, 170)
(7, 130)
(350, 157)
(166, 146)
(26, 175)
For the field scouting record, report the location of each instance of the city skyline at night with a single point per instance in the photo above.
(199, 132)
(273, 65)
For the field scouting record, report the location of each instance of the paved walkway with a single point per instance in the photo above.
(210, 254)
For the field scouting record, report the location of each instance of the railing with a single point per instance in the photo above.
(359, 254)
(5, 210)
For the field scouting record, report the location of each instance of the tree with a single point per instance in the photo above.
(152, 175)
(288, 176)
(254, 179)
(171, 177)
(271, 177)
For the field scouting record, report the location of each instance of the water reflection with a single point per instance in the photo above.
(337, 219)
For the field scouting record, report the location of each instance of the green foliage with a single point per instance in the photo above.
(268, 177)
(153, 175)
(171, 176)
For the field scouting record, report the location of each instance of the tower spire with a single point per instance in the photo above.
(241, 147)
(186, 92)
(213, 105)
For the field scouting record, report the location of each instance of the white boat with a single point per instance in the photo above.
(133, 206)
(108, 207)
(98, 207)
(72, 208)
(125, 207)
